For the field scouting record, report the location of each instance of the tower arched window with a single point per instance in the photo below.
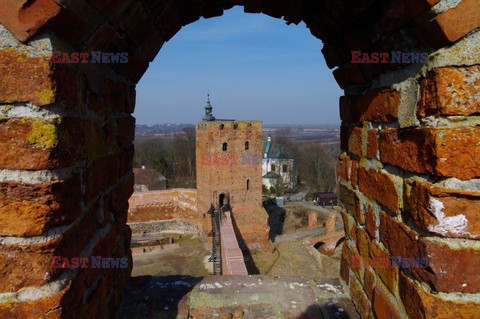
(222, 126)
(248, 184)
(247, 145)
(224, 147)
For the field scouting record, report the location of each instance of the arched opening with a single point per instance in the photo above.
(247, 145)
(224, 147)
(248, 184)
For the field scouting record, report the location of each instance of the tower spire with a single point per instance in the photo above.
(208, 110)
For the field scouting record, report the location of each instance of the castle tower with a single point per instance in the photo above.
(229, 172)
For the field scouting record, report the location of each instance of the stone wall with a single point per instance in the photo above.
(155, 210)
(408, 171)
(164, 205)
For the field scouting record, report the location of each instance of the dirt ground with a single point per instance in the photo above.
(288, 218)
(294, 259)
(189, 259)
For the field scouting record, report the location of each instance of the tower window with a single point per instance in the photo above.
(284, 168)
(235, 126)
(247, 145)
(272, 167)
(248, 184)
(224, 147)
(222, 126)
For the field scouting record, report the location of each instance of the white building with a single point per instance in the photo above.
(279, 167)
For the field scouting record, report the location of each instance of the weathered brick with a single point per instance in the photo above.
(47, 308)
(416, 7)
(450, 91)
(359, 298)
(379, 185)
(433, 208)
(253, 6)
(363, 242)
(131, 98)
(449, 269)
(422, 304)
(444, 152)
(350, 201)
(371, 224)
(125, 130)
(27, 144)
(111, 98)
(24, 19)
(394, 15)
(370, 281)
(349, 74)
(343, 166)
(389, 275)
(122, 193)
(126, 160)
(169, 21)
(333, 55)
(134, 69)
(349, 252)
(101, 175)
(112, 9)
(32, 209)
(344, 269)
(25, 78)
(347, 169)
(384, 304)
(31, 265)
(376, 106)
(351, 225)
(354, 173)
(453, 24)
(351, 139)
(372, 144)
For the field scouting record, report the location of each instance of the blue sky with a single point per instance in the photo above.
(254, 66)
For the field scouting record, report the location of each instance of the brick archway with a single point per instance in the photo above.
(408, 171)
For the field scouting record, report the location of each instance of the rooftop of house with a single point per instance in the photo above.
(274, 150)
(271, 175)
(147, 177)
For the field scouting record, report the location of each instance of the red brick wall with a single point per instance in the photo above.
(231, 176)
(408, 169)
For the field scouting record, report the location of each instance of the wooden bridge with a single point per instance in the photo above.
(227, 256)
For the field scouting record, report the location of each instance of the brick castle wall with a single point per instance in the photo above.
(230, 175)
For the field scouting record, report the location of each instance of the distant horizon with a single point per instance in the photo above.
(252, 65)
(265, 124)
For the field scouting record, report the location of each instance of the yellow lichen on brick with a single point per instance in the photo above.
(44, 134)
(45, 96)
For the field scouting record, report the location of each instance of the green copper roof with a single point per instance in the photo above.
(274, 150)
